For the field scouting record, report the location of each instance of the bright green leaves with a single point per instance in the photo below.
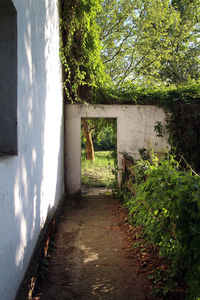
(135, 37)
(167, 206)
(80, 49)
(136, 42)
(150, 41)
(154, 40)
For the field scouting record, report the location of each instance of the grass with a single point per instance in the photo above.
(97, 173)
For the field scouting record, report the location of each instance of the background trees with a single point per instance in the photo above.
(98, 134)
(156, 41)
(130, 49)
(183, 65)
(111, 42)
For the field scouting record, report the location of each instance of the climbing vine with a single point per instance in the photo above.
(80, 49)
(183, 127)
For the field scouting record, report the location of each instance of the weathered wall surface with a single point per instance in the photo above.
(31, 183)
(135, 129)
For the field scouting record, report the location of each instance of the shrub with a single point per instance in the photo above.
(167, 205)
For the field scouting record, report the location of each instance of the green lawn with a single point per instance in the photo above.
(99, 172)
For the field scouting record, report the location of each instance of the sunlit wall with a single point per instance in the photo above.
(31, 183)
(135, 129)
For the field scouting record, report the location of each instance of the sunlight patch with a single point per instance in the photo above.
(89, 254)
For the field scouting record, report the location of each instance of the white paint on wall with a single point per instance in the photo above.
(135, 129)
(32, 183)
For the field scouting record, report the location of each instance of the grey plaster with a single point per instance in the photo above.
(8, 78)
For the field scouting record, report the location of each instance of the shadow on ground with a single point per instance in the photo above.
(89, 258)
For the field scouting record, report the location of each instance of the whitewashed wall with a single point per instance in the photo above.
(31, 184)
(135, 129)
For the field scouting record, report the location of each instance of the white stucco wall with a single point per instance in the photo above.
(135, 129)
(31, 183)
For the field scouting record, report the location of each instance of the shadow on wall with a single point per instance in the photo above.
(22, 212)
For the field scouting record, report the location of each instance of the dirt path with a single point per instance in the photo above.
(89, 260)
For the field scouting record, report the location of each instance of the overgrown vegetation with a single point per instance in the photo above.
(80, 48)
(163, 96)
(183, 126)
(147, 52)
(167, 205)
(139, 43)
(105, 40)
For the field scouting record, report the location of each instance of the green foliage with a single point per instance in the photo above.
(98, 173)
(167, 205)
(107, 136)
(182, 106)
(159, 95)
(183, 127)
(150, 41)
(136, 42)
(106, 140)
(144, 153)
(80, 49)
(104, 134)
(183, 64)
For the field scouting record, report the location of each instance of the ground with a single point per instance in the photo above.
(90, 258)
(99, 172)
(97, 254)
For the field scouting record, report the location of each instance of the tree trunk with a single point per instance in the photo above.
(89, 143)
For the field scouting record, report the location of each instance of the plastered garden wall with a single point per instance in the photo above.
(32, 182)
(135, 129)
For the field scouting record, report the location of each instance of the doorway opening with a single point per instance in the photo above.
(98, 152)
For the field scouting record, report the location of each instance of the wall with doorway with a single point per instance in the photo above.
(31, 181)
(135, 129)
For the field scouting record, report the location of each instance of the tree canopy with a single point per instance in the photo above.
(132, 42)
(155, 40)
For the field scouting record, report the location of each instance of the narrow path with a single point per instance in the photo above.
(89, 260)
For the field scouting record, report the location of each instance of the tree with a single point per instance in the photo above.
(87, 131)
(153, 40)
(94, 130)
(128, 41)
(183, 64)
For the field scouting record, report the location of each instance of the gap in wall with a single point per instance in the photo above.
(98, 152)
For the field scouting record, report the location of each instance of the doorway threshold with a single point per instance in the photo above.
(92, 190)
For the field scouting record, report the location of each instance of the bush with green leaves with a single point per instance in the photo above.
(167, 205)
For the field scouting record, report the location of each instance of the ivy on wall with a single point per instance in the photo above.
(182, 107)
(183, 126)
(163, 96)
(80, 49)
